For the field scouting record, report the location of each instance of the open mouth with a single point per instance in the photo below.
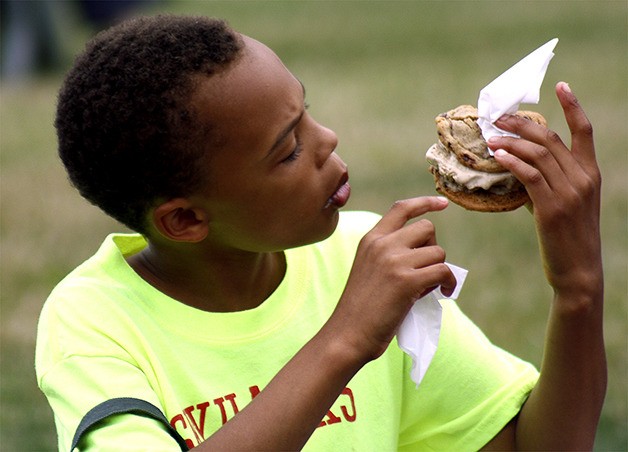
(341, 195)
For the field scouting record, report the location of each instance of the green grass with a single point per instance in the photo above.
(377, 73)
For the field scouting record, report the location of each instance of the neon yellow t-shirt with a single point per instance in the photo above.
(104, 332)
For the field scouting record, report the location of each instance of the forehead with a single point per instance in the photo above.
(256, 89)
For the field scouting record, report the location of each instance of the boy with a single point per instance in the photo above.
(249, 311)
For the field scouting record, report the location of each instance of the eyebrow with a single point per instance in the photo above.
(286, 131)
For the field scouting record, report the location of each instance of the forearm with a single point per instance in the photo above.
(563, 410)
(286, 413)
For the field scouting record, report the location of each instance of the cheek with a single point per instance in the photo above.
(282, 220)
(294, 193)
(299, 187)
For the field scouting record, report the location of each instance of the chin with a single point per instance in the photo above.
(321, 231)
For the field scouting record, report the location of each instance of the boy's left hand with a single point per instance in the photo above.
(564, 186)
(563, 409)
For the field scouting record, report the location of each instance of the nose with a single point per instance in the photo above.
(328, 141)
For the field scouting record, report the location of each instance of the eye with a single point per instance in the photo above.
(299, 144)
(295, 152)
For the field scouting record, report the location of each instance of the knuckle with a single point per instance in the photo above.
(404, 277)
(403, 208)
(367, 239)
(552, 137)
(583, 125)
(591, 185)
(398, 278)
(534, 177)
(371, 241)
(588, 186)
(443, 269)
(543, 153)
(388, 264)
(518, 120)
(400, 204)
(571, 200)
(440, 255)
(586, 128)
(372, 245)
(426, 225)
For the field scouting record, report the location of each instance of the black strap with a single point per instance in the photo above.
(123, 405)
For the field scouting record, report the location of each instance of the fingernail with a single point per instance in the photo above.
(500, 153)
(566, 88)
(492, 140)
(442, 199)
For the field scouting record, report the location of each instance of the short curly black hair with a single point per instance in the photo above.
(127, 134)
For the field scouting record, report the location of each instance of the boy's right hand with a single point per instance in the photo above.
(396, 263)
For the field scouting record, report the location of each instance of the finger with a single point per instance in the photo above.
(536, 184)
(525, 128)
(424, 257)
(539, 157)
(549, 147)
(414, 235)
(579, 126)
(403, 211)
(436, 275)
(550, 141)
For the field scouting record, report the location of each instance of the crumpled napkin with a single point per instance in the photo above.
(419, 332)
(519, 84)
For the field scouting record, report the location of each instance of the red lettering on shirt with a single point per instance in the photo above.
(179, 418)
(254, 390)
(198, 430)
(189, 419)
(331, 418)
(223, 412)
(349, 417)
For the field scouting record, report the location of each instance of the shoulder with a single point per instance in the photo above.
(90, 299)
(105, 271)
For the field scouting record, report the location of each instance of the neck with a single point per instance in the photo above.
(211, 281)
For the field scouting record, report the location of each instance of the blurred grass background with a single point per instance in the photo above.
(377, 73)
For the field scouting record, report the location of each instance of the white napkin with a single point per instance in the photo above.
(419, 332)
(519, 84)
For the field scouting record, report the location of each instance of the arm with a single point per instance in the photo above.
(395, 264)
(562, 411)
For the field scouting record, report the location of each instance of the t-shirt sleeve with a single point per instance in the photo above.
(471, 390)
(80, 366)
(77, 384)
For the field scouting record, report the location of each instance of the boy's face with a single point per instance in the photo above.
(276, 182)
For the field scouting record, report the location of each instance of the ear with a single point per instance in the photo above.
(178, 220)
